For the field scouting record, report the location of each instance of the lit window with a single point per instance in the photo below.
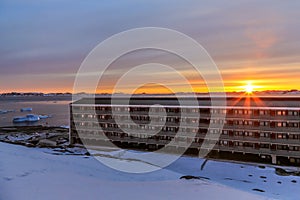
(261, 112)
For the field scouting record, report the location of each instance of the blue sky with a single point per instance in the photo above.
(45, 41)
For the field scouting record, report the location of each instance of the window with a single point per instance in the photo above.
(223, 143)
(91, 116)
(238, 133)
(281, 124)
(248, 134)
(240, 122)
(294, 136)
(292, 113)
(250, 123)
(281, 112)
(238, 144)
(81, 123)
(117, 109)
(292, 124)
(248, 112)
(264, 134)
(193, 110)
(294, 148)
(264, 123)
(213, 131)
(281, 135)
(282, 147)
(247, 144)
(194, 120)
(266, 146)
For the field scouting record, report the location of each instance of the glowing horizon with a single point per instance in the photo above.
(152, 89)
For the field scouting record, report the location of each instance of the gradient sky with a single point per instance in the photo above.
(42, 43)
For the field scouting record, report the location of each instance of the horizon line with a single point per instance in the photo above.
(140, 93)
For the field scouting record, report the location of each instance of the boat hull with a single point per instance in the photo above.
(28, 118)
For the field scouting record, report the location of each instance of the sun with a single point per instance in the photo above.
(249, 88)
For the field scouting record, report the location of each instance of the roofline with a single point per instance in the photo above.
(197, 97)
(179, 106)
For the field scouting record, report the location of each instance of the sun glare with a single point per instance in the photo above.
(249, 88)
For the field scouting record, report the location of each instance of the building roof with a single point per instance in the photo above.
(246, 101)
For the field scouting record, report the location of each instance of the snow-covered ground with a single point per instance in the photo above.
(33, 173)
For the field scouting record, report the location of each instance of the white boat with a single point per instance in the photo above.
(6, 111)
(19, 119)
(25, 109)
(32, 118)
(3, 111)
(27, 118)
(44, 116)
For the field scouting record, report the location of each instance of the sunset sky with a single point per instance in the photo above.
(44, 42)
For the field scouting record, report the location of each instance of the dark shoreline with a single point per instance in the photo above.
(35, 136)
(35, 98)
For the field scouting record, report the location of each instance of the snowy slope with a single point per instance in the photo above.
(254, 178)
(30, 173)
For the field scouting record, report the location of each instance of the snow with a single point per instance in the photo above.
(243, 176)
(33, 173)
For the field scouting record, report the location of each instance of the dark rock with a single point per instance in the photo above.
(258, 190)
(47, 143)
(281, 172)
(246, 181)
(188, 177)
(28, 144)
(203, 177)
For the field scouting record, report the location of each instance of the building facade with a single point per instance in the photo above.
(260, 129)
